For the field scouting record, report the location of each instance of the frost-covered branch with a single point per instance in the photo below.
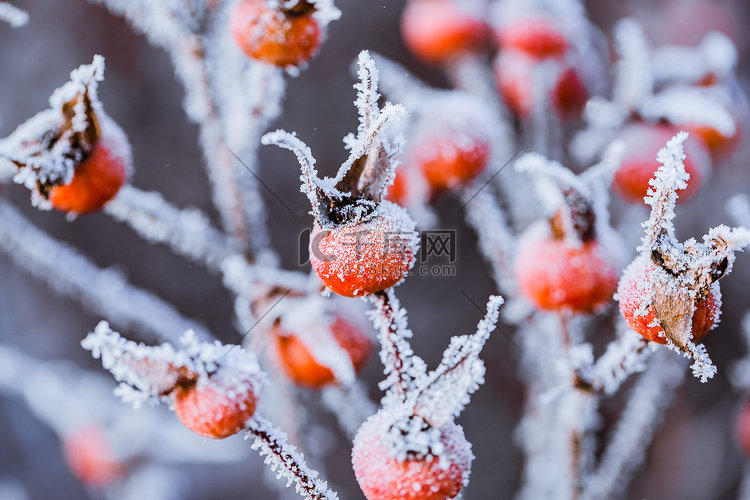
(624, 356)
(401, 365)
(104, 291)
(13, 15)
(281, 456)
(643, 414)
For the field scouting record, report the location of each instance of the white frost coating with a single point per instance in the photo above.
(689, 105)
(13, 15)
(104, 291)
(688, 65)
(634, 80)
(643, 413)
(148, 372)
(662, 193)
(628, 354)
(284, 458)
(444, 392)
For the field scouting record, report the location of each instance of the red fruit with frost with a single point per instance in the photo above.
(642, 142)
(556, 274)
(382, 476)
(281, 37)
(213, 409)
(449, 161)
(536, 37)
(742, 428)
(635, 294)
(356, 259)
(437, 31)
(96, 180)
(90, 456)
(301, 366)
(720, 145)
(515, 72)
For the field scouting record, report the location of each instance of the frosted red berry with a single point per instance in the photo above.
(96, 180)
(642, 142)
(556, 274)
(535, 36)
(213, 410)
(356, 259)
(437, 31)
(274, 35)
(635, 294)
(451, 160)
(719, 144)
(383, 476)
(300, 365)
(90, 456)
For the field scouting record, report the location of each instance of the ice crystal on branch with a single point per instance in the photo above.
(149, 372)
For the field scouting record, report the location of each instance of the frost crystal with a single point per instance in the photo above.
(149, 372)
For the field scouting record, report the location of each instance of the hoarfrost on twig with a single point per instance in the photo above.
(284, 458)
(104, 291)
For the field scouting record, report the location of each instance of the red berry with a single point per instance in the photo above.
(90, 456)
(365, 257)
(439, 475)
(275, 36)
(515, 73)
(301, 366)
(214, 410)
(720, 145)
(537, 37)
(437, 31)
(452, 159)
(642, 142)
(555, 274)
(742, 428)
(96, 180)
(636, 291)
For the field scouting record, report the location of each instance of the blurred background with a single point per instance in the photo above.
(694, 455)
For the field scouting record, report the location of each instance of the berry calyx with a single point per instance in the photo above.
(558, 274)
(438, 31)
(642, 141)
(537, 37)
(215, 408)
(356, 259)
(96, 180)
(278, 36)
(90, 456)
(640, 282)
(304, 369)
(385, 470)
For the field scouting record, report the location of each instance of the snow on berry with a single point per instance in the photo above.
(360, 244)
(670, 292)
(214, 387)
(72, 157)
(438, 473)
(316, 347)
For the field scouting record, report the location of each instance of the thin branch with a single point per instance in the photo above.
(103, 291)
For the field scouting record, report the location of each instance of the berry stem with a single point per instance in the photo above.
(272, 443)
